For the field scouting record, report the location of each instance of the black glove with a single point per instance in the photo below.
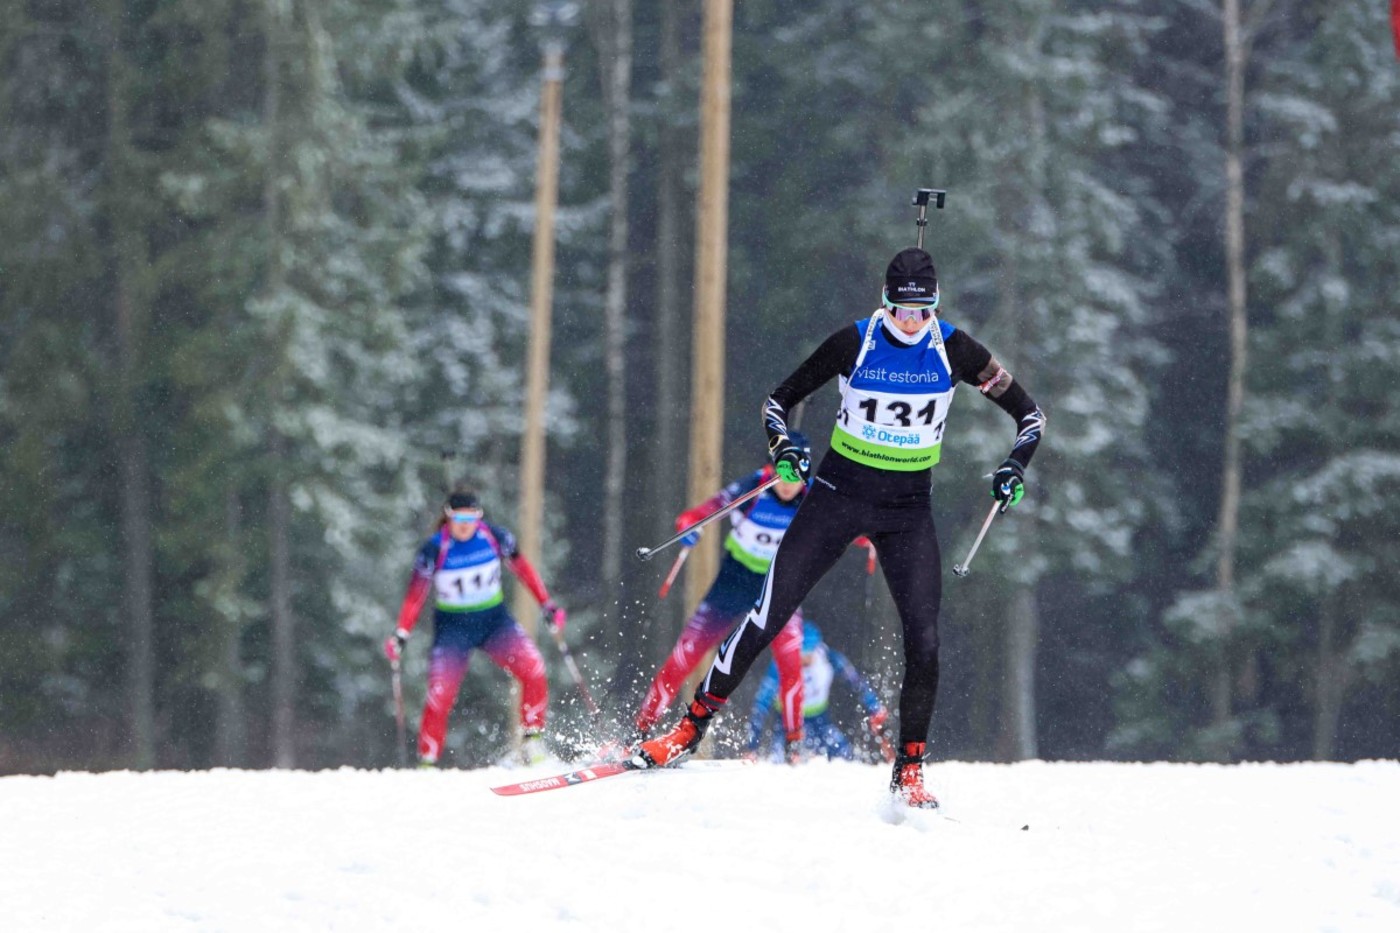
(792, 462)
(1007, 484)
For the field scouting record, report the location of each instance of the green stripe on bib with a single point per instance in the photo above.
(883, 456)
(752, 561)
(493, 601)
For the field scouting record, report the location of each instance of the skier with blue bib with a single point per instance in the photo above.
(897, 372)
(821, 665)
(756, 530)
(460, 566)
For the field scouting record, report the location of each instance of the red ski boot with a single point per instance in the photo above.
(907, 783)
(681, 741)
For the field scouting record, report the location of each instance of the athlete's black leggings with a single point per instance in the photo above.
(901, 529)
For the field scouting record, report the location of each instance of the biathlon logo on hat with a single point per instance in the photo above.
(911, 278)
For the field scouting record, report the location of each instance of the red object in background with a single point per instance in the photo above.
(1395, 24)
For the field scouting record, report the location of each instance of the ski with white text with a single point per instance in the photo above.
(567, 779)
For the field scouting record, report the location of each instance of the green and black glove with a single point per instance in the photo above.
(1007, 483)
(793, 462)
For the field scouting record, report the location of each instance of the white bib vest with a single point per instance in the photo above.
(895, 403)
(756, 535)
(469, 579)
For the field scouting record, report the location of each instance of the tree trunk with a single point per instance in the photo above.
(1227, 521)
(994, 701)
(711, 278)
(230, 722)
(133, 466)
(986, 657)
(1332, 674)
(533, 447)
(138, 564)
(283, 668)
(1017, 739)
(1018, 735)
(283, 679)
(619, 103)
(668, 464)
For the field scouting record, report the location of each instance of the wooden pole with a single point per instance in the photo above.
(711, 246)
(1227, 521)
(532, 447)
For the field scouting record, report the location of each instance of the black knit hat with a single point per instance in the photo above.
(911, 278)
(463, 499)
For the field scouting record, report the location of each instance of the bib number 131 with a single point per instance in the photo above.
(899, 413)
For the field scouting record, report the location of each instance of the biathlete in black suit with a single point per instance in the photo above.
(898, 371)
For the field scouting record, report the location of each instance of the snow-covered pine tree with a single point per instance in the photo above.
(1319, 538)
(1049, 250)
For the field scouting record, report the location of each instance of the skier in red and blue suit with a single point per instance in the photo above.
(757, 530)
(461, 564)
(753, 539)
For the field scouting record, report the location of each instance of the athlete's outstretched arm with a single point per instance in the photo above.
(975, 365)
(835, 356)
(420, 585)
(722, 498)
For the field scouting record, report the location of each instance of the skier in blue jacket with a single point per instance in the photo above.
(821, 665)
(755, 533)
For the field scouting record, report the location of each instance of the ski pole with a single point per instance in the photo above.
(645, 553)
(675, 571)
(573, 670)
(399, 712)
(960, 570)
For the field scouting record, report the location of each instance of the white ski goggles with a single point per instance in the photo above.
(910, 311)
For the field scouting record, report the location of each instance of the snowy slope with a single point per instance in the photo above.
(720, 847)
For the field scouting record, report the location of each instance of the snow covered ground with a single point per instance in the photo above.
(716, 847)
